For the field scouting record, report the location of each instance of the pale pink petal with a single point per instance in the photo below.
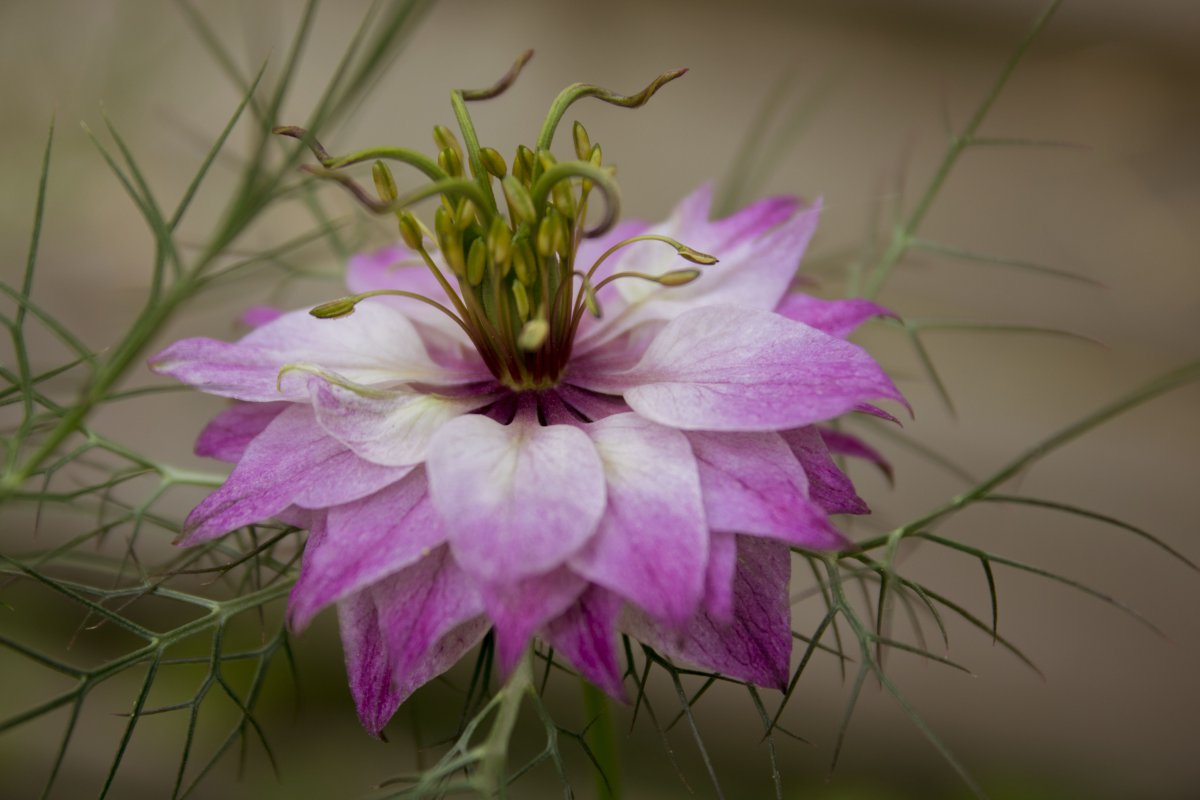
(835, 317)
(519, 608)
(754, 484)
(405, 630)
(759, 250)
(518, 499)
(718, 580)
(374, 345)
(828, 486)
(756, 647)
(585, 634)
(652, 544)
(389, 427)
(363, 542)
(292, 461)
(229, 433)
(848, 445)
(737, 369)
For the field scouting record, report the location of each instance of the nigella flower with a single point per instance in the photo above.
(515, 426)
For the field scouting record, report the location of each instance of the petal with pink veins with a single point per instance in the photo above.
(293, 461)
(520, 608)
(836, 317)
(518, 499)
(375, 344)
(727, 368)
(828, 486)
(229, 433)
(363, 542)
(849, 445)
(652, 545)
(754, 484)
(757, 646)
(718, 580)
(586, 635)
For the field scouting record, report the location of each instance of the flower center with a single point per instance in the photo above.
(508, 270)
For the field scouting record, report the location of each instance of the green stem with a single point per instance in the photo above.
(493, 763)
(602, 739)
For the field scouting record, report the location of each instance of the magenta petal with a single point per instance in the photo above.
(519, 608)
(518, 499)
(229, 433)
(754, 484)
(652, 544)
(363, 542)
(257, 316)
(585, 634)
(848, 445)
(835, 317)
(739, 369)
(375, 344)
(828, 486)
(718, 580)
(392, 428)
(291, 461)
(405, 630)
(757, 646)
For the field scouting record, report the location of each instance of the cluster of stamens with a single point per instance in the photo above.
(513, 283)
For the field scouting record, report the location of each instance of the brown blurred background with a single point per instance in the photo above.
(1115, 715)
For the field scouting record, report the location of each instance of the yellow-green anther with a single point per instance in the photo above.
(342, 307)
(444, 138)
(410, 231)
(524, 263)
(493, 162)
(546, 236)
(533, 334)
(499, 241)
(465, 215)
(546, 159)
(522, 300)
(696, 257)
(476, 262)
(597, 156)
(562, 235)
(526, 157)
(451, 161)
(563, 200)
(583, 142)
(450, 241)
(385, 184)
(679, 277)
(519, 201)
(590, 302)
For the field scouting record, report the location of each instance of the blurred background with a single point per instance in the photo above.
(1113, 716)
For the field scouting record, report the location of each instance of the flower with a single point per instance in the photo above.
(540, 450)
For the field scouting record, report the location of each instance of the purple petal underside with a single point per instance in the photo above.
(828, 486)
(292, 461)
(586, 635)
(836, 317)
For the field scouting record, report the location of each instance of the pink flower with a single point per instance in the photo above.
(561, 475)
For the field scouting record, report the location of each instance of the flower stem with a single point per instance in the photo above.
(602, 739)
(493, 764)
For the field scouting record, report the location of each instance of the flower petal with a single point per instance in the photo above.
(519, 608)
(737, 369)
(754, 484)
(586, 635)
(828, 486)
(375, 344)
(718, 580)
(389, 427)
(229, 433)
(405, 630)
(291, 461)
(836, 317)
(518, 499)
(652, 545)
(759, 250)
(364, 542)
(848, 445)
(757, 646)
